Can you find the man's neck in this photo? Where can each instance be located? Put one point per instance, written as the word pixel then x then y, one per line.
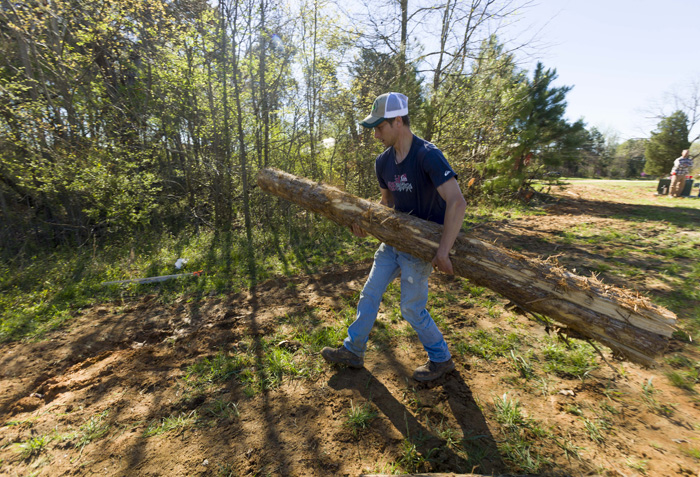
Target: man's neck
pixel 403 145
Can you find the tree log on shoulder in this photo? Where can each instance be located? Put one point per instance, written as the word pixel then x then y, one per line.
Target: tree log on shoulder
pixel 630 324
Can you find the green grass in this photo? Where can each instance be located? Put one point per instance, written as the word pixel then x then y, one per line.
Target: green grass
pixel 42 291
pixel 595 429
pixel 171 423
pixel 577 359
pixel 692 452
pixel 518 446
pixel 638 465
pixel 218 368
pixel 93 429
pixel 523 364
pixel 649 396
pixel 223 410
pixel 33 446
pixel 487 345
pixel 682 381
pixel 410 460
pixel 256 366
pixel 508 412
pixel 360 417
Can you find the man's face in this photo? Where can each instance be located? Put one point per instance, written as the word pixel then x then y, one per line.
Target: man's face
pixel 386 132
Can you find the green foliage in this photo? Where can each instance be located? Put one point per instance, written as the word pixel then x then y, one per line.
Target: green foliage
pixel 542 127
pixel 222 409
pixel 649 393
pixel 483 107
pixel 594 158
pixel 523 364
pixel 575 359
pixel 256 367
pixel 505 126
pixel 683 381
pixel 638 465
pixel 666 144
pixel 219 368
pixel 410 460
pixel 629 161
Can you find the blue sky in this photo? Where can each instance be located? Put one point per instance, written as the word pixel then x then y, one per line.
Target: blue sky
pixel 622 57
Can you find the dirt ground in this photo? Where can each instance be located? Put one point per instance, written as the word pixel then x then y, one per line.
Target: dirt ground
pixel 125 364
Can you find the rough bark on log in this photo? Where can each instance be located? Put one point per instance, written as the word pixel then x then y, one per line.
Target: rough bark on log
pixel 624 321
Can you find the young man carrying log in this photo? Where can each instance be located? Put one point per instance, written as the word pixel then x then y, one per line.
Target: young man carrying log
pixel 415 178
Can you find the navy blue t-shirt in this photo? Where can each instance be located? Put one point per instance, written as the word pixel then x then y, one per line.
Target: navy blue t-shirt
pixel 413 182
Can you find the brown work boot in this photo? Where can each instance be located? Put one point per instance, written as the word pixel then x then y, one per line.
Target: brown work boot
pixel 432 370
pixel 342 355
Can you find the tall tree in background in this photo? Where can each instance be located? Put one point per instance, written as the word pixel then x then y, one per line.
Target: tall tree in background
pixel 685 98
pixel 543 129
pixel 595 155
pixel 628 161
pixel 666 144
pixel 508 123
pixel 463 26
pixel 475 122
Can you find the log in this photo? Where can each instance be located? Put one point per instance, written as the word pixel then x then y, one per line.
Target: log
pixel 626 322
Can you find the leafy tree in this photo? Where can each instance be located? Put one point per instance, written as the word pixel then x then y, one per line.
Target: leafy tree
pixel 629 159
pixel 478 118
pixel 666 144
pixel 542 130
pixel 595 155
pixel 510 124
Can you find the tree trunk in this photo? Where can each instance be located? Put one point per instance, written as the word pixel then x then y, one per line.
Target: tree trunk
pixel 242 154
pixel 629 324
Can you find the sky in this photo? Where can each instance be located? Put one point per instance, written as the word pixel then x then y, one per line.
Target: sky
pixel 624 58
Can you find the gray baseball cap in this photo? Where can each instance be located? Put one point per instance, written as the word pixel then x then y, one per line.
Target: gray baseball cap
pixel 387 105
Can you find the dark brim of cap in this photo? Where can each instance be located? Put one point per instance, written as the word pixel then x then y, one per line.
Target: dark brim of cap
pixel 371 121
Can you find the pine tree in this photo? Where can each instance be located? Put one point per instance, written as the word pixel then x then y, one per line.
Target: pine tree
pixel 544 131
pixel 666 144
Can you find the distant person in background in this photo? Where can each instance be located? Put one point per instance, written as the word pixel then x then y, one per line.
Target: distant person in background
pixel 681 167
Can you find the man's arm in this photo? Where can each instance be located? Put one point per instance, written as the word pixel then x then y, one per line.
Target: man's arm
pixel 386 200
pixel 454 216
pixel 676 163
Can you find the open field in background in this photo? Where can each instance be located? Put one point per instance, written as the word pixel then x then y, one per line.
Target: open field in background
pixel 208 376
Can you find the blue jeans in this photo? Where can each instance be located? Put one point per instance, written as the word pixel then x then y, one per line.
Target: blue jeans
pixel 388 264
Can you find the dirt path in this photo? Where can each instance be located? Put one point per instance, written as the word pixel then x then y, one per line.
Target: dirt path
pixel 83 401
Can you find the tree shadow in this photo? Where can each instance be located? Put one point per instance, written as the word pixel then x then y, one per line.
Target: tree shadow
pixel 679 215
pixel 443 457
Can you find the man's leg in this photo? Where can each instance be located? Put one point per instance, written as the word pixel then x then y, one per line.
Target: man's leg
pixel 414 298
pixel 677 184
pixel 384 270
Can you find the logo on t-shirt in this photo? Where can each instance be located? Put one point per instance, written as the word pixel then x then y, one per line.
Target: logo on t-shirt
pixel 400 184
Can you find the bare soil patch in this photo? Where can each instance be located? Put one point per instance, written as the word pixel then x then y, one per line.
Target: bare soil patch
pixel 122 367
